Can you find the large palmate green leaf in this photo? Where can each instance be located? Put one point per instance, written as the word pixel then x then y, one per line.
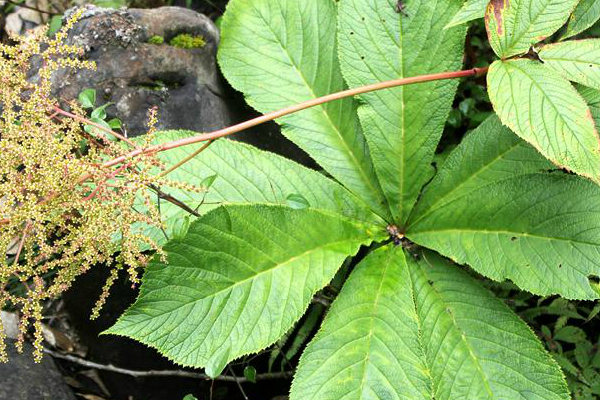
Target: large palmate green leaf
pixel 544 109
pixel 282 52
pixel 514 25
pixel 472 9
pixel 576 60
pixel 244 174
pixel 405 329
pixel 402 125
pixel 585 15
pixel 489 154
pixel 238 281
pixel 541 230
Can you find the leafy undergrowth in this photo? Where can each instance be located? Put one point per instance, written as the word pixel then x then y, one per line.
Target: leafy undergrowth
pixel 568 329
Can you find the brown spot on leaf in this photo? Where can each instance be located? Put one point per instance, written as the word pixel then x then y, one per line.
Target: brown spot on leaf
pixel 496 8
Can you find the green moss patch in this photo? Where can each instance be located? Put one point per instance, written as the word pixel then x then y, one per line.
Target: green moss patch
pixel 156 40
pixel 187 41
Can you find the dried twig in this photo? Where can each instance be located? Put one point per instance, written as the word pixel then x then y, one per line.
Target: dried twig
pixel 178 373
pixel 237 382
pixel 23 5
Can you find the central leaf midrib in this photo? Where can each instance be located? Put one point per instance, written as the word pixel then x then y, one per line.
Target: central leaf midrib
pixel 403 127
pixel 577 61
pixel 276 265
pixel 505 232
pixel 415 308
pixel 341 138
pixel 464 339
pixel 370 328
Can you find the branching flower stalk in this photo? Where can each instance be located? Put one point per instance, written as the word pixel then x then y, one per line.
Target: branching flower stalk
pixel 56 225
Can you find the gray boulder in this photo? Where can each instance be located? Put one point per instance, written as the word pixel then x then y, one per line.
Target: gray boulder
pixel 137 75
pixel 22 379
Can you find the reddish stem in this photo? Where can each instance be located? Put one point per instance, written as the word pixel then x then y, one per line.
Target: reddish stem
pixel 295 108
pixel 188 158
pixel 18 255
pixel 88 122
pixel 106 179
pixel 22 242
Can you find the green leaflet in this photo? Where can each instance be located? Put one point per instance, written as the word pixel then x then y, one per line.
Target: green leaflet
pixel 489 154
pixel 368 346
pixel 592 98
pixel 576 60
pixel 514 25
pixel 404 329
pixel 247 175
pixel 239 280
pixel 461 321
pixel 544 109
pixel 488 208
pixel 585 15
pixel 403 125
pixel 279 53
pixel 472 9
pixel 542 231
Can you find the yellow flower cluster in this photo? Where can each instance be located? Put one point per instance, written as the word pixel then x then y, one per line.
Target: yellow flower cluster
pixel 62 211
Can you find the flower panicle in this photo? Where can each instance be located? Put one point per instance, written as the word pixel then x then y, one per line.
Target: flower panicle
pixel 54 225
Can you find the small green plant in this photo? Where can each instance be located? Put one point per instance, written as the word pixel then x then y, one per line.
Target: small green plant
pixel 87 99
pixel 560 324
pixel 110 3
pixel 574 350
pixel 187 41
pixel 156 40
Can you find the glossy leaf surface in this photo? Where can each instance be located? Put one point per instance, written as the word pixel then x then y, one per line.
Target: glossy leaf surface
pixel 279 53
pixel 514 25
pixel 402 125
pixel 576 60
pixel 404 329
pixel 241 277
pixel 544 109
